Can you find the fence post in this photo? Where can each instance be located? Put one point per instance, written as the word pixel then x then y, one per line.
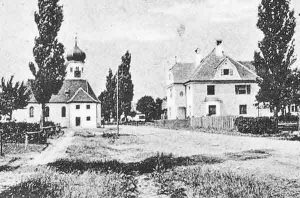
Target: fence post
pixel 26 140
pixel 1 151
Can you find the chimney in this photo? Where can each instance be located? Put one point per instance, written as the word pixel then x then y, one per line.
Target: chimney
pixel 198 57
pixel 219 48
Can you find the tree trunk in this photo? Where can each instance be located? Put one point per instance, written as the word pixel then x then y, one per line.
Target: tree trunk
pixel 275 112
pixel 42 120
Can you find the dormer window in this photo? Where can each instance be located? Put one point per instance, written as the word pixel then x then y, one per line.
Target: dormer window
pixel 226 72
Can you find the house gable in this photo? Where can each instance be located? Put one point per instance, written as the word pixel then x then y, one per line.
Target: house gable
pixel 227 71
pixel 82 96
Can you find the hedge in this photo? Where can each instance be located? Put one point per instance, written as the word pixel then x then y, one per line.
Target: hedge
pixel 258 125
pixel 14 132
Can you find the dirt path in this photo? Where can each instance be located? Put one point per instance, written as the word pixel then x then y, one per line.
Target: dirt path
pixel 22 169
pixel 56 150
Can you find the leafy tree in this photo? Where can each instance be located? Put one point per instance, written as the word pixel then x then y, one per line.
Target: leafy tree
pixel 50 70
pixel 158 109
pixel 275 56
pixel 125 85
pixel 107 97
pixel 13 96
pixel 147 106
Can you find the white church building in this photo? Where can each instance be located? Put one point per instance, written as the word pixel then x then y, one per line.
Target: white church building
pixel 75 105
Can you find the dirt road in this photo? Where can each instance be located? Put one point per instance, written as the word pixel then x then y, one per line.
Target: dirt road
pixel 284 159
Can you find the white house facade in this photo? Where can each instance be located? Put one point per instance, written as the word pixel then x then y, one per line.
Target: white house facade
pixel 75 105
pixel 215 85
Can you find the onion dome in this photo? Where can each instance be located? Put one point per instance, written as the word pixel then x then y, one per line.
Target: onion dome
pixel 76 54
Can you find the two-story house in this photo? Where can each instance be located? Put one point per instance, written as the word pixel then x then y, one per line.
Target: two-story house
pixel 214 85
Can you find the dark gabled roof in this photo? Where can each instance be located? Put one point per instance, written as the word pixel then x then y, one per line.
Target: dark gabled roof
pixel 68 90
pixel 181 72
pixel 81 96
pixel 206 70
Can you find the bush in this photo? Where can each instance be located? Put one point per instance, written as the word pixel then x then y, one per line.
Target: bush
pixel 259 125
pixel 14 132
pixel 288 118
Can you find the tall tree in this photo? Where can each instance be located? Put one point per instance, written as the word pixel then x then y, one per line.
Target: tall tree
pixel 50 70
pixel 13 96
pixel 125 85
pixel 147 106
pixel 158 108
pixel 276 52
pixel 107 97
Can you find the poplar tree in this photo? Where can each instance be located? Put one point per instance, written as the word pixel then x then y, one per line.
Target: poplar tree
pixel 49 69
pixel 107 97
pixel 125 85
pixel 276 53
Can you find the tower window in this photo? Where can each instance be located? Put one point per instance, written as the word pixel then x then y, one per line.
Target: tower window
pixel 71 69
pixel 77 106
pixel 77 73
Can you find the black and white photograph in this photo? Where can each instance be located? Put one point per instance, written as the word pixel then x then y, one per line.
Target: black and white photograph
pixel 149 98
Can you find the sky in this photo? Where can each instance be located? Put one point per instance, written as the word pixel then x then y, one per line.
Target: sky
pixel 154 32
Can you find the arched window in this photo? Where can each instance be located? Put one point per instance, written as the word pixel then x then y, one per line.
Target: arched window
pixel 31 112
pixel 47 111
pixel 63 112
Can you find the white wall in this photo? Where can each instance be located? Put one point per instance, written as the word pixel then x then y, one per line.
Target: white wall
pixel 83 113
pixel 230 101
pixel 55 114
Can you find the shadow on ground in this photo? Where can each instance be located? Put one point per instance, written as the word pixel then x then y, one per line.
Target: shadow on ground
pixel 149 165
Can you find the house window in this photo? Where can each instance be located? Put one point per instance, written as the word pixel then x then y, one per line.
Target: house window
pixel 47 111
pixel 88 106
pixel 181 93
pixel 31 112
pixel 243 109
pixel 242 89
pixel 88 118
pixel 210 90
pixel 212 110
pixel 63 112
pixel 77 106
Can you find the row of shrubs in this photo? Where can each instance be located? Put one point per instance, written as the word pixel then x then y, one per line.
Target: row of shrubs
pixel 14 132
pixel 258 125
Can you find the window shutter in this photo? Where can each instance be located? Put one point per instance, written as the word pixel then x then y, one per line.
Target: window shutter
pixel 231 72
pixel 248 89
pixel 236 89
pixel 222 72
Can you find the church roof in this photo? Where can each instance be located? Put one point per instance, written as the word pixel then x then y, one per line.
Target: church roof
pixel 206 70
pixel 70 92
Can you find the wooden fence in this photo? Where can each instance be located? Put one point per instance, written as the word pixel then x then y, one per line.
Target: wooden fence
pixel 214 122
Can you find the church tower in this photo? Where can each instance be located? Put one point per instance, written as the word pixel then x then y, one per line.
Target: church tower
pixel 75 64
